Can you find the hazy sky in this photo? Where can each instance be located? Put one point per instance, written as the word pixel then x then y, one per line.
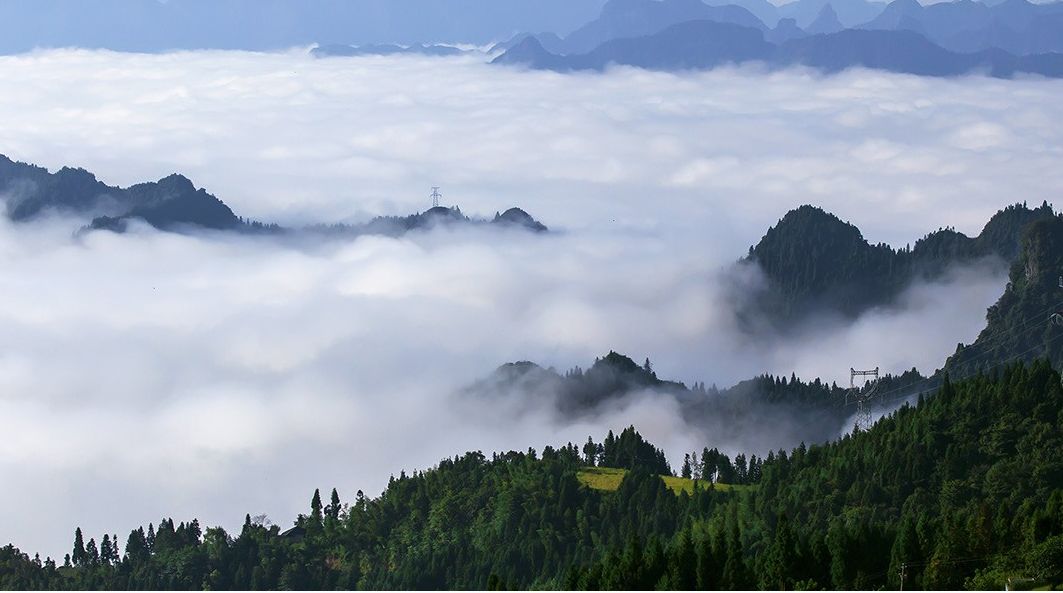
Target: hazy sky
pixel 206 376
pixel 157 25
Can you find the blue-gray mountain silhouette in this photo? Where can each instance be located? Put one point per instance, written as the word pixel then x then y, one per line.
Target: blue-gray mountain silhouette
pixel 767 12
pixel 826 22
pixel 691 45
pixel 622 19
pixel 850 12
pixel 785 30
pixel 707 44
pixel 1016 26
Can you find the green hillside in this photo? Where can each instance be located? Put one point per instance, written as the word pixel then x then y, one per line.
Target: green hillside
pixel 962 490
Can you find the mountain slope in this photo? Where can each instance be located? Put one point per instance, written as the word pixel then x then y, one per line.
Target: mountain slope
pixel 963 490
pixel 1020 326
pixel 28 192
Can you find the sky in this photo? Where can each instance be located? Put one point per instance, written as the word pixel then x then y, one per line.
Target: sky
pixel 210 376
pixel 154 25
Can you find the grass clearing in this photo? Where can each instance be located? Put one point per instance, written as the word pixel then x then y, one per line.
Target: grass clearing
pixel 609 478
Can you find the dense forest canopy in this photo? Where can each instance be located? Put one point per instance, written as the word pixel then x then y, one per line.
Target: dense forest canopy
pixel 963 489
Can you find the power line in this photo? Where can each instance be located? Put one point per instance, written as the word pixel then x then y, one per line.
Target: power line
pixel 973 372
pixel 912 388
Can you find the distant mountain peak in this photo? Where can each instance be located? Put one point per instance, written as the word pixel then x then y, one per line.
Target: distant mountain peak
pixel 518 217
pixel 904 6
pixel 177 183
pixel 826 22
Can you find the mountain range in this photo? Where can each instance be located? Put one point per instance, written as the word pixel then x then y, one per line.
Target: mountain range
pixel 774 412
pixel 703 44
pixel 816 264
pixel 1000 38
pixel 1015 26
pixel 622 19
pixel 173 203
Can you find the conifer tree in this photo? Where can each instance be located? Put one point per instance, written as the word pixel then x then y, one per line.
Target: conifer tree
pixel 78 556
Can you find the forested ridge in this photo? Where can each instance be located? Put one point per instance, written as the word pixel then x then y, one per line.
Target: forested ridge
pixel 813 262
pixel 963 489
pixel 768 411
pixel 29 192
pixel 1022 325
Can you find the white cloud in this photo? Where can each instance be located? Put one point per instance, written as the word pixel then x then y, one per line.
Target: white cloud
pixel 199 376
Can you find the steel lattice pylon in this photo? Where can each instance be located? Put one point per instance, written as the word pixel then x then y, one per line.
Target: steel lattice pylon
pixel 862 396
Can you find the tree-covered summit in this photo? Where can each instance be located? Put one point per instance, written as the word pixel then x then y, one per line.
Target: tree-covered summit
pixel 813 262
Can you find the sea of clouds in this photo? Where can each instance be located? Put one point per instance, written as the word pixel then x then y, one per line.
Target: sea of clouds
pixel 210 376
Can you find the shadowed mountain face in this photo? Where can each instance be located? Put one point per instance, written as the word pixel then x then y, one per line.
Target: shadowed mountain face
pixel 1027 322
pixel 28 192
pixel 708 44
pixel 815 263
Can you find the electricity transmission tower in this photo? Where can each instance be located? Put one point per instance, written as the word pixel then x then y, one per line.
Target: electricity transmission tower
pixel 863 395
pixel 436 196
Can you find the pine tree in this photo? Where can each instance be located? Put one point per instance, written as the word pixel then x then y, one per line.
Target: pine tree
pixel 334 505
pixel 315 508
pixel 92 553
pixel 78 557
pixel 105 550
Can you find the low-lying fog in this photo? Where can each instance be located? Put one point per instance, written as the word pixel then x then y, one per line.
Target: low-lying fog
pixel 209 376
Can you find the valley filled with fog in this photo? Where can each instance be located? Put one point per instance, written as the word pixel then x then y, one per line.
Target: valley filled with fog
pixel 207 374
